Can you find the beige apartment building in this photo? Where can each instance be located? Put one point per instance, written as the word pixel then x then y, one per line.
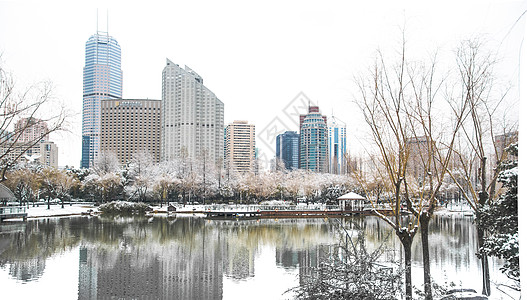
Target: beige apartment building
pixel 30 141
pixel 240 147
pixel 130 126
pixel 44 152
pixel 191 116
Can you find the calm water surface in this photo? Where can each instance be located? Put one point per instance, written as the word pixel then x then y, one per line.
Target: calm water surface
pixel 194 258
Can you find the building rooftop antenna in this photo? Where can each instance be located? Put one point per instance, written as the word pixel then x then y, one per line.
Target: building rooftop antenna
pixel 107 23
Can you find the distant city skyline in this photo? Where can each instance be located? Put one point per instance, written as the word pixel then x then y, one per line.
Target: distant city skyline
pixel 255 68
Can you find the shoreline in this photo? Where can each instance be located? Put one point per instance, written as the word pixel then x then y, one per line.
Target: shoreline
pixel 56 211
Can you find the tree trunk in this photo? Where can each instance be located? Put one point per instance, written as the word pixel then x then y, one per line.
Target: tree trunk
pixel 483 197
pixel 425 220
pixel 484 264
pixel 406 241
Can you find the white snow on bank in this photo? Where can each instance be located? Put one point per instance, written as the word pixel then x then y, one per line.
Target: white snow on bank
pixel 56 210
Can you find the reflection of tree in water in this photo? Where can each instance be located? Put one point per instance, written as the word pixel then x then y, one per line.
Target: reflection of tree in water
pixel 452 242
pixel 26 249
pixel 347 270
pixel 188 257
pixel 27 270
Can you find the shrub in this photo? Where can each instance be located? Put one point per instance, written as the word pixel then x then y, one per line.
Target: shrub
pixel 124 208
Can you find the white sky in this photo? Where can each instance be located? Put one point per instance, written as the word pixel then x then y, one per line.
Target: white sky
pixel 255 56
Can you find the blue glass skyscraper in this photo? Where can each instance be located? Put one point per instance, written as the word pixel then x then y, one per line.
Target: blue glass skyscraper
pixel 337 146
pixel 287 149
pixel 314 141
pixel 102 79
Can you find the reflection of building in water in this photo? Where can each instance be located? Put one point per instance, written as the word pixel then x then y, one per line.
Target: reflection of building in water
pixel 158 273
pixel 239 262
pixel 189 258
pixel 27 270
pixel 305 259
pixel 117 275
pixel 87 276
pixel 309 259
pixel 198 276
pixel 238 249
pixel 286 258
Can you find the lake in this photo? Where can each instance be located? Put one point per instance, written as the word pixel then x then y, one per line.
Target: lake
pixel 195 258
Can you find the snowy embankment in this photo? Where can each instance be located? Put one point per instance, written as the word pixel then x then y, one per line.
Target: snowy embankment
pixel 57 211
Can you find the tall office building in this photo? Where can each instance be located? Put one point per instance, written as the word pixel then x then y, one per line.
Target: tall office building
pixel 102 79
pixel 287 148
pixel 240 154
pixel 191 116
pixel 337 146
pixel 311 109
pixel 131 126
pixel 314 141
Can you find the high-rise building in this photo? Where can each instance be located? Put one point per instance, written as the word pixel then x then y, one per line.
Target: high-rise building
pixel 31 130
pixel 131 126
pixel 314 141
pixel 102 79
pixel 418 151
pixel 49 154
pixel 287 149
pixel 240 154
pixel 30 141
pixel 311 109
pixel 191 116
pixel 337 146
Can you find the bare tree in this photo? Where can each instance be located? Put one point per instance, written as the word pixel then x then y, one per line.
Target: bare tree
pixel 29 105
pixel 477 136
pixel 413 148
pixel 431 147
pixel 383 100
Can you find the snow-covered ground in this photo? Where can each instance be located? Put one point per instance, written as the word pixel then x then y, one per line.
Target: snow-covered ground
pixel 56 210
pixel 455 208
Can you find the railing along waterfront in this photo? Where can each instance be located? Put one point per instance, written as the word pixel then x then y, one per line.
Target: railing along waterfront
pixel 12 212
pixel 256 207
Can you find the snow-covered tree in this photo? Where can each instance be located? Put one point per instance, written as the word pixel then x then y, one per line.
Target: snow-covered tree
pixel 500 220
pixel 106 162
pixel 56 184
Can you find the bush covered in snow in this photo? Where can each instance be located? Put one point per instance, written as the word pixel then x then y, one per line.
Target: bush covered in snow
pixel 500 220
pixel 124 207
